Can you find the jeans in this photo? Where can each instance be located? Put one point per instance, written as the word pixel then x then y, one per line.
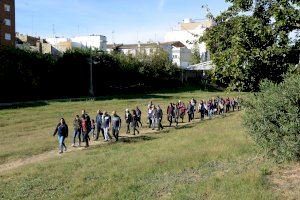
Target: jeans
pixel 86 138
pixel 202 114
pixel 106 134
pixel 190 115
pixel 153 123
pixel 99 128
pixel 150 121
pixel 77 133
pixel 170 119
pixel 159 125
pixel 115 132
pixel 210 113
pixel 128 127
pixel 139 121
pixel 61 142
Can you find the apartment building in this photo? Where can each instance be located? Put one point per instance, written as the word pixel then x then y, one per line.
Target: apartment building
pixel 91 41
pixel 177 52
pixel 188 32
pixel 7 23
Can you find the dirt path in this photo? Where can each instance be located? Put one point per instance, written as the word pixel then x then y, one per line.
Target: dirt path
pixel 54 153
pixel 286 181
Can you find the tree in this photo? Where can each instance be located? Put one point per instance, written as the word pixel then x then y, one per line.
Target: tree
pixel 251 41
pixel 195 57
pixel 273 121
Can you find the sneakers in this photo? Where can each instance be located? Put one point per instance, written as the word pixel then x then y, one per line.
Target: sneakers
pixel 73 145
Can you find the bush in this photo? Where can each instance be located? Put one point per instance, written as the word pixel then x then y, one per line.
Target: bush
pixel 272 118
pixel 26 75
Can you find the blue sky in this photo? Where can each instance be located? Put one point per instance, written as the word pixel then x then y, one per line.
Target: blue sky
pixel 122 21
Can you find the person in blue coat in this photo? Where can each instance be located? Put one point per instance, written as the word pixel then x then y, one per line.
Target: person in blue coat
pixel 62 131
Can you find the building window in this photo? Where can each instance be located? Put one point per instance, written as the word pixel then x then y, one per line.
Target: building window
pixel 7 8
pixel 7 22
pixel 7 36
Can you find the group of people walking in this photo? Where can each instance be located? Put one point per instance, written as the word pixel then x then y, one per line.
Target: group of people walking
pixel 85 127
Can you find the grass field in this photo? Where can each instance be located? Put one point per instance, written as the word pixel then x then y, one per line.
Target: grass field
pixel 213 159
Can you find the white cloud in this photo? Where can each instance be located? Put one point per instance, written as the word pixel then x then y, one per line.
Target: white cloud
pixel 161 4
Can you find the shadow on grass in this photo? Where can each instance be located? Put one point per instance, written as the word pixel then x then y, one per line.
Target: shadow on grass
pixel 147 93
pixel 135 139
pixel 17 105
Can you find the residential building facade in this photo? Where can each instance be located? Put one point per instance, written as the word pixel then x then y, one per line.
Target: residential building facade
pixel 7 23
pixel 177 52
pixel 188 32
pixel 92 41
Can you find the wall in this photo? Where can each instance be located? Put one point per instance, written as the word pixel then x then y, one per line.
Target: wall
pixel 4 28
pixel 94 41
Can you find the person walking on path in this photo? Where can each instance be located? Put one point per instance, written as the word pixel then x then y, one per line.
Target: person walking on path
pixel 202 110
pixel 194 104
pixel 99 125
pixel 150 115
pixel 154 118
pixel 62 131
pixel 106 121
pixel 176 114
pixel 238 103
pixel 84 130
pixel 93 125
pixel 139 116
pixel 159 117
pixel 190 111
pixel 128 120
pixel 88 123
pixel 115 125
pixel 134 122
pixel 77 130
pixel 170 113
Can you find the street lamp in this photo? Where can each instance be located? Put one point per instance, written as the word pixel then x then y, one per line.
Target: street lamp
pixel 91 91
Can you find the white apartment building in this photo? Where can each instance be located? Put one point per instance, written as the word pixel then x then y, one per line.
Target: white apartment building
pixel 178 53
pixel 92 41
pixel 188 33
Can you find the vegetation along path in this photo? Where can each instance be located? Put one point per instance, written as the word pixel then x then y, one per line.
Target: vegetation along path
pixel 53 154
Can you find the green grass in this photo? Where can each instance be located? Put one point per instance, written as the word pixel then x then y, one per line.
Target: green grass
pixel 28 131
pixel 209 160
pixel 213 159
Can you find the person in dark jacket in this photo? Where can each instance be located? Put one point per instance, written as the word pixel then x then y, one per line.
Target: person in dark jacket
pixel 84 130
pixel 62 131
pixel 77 130
pixel 170 113
pixel 190 111
pixel 134 122
pixel 99 124
pixel 115 125
pixel 88 123
pixel 159 117
pixel 139 116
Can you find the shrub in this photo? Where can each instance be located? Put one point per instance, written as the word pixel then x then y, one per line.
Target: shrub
pixel 272 118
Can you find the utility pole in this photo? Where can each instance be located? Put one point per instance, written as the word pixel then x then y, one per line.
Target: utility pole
pixel 91 74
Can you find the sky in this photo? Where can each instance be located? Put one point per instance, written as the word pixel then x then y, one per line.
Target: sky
pixel 121 21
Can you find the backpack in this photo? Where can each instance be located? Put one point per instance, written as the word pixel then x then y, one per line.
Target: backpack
pixel 84 125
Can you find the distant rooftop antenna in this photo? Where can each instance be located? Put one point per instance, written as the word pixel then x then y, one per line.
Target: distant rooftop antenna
pixel 32 25
pixel 207 10
pixel 113 36
pixel 53 30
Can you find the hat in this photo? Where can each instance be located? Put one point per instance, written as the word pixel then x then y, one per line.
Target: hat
pixel 127 110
